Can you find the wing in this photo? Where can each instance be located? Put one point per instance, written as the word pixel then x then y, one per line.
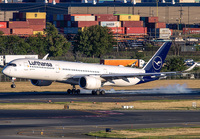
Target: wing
pixel 138 75
pixel 107 77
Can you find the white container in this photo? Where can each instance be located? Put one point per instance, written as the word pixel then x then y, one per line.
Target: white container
pixel 82 18
pixel 111 24
pixel 186 1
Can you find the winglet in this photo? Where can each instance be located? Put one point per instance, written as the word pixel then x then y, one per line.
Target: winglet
pixel 45 57
pixel 156 62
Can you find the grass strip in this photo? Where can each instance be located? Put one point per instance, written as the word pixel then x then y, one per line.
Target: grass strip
pixel 151 133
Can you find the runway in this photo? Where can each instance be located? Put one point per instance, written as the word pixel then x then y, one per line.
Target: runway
pixel 115 96
pixel 74 124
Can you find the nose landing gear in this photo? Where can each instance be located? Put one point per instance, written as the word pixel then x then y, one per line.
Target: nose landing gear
pixel 13 82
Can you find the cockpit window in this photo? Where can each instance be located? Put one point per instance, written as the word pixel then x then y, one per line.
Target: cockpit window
pixel 12 64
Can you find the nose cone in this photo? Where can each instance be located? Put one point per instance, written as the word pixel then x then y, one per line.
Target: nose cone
pixel 6 71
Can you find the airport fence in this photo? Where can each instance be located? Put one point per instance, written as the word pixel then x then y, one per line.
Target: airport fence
pixel 4 78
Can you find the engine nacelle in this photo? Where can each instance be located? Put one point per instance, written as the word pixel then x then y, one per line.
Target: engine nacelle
pixel 41 82
pixel 89 82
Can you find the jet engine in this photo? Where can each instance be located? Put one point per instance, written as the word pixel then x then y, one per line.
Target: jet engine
pixel 89 82
pixel 41 82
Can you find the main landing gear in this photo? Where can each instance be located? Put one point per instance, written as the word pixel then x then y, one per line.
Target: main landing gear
pixel 98 92
pixel 13 83
pixel 73 91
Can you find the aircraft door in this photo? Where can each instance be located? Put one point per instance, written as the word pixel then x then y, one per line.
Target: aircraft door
pixel 57 69
pixel 26 66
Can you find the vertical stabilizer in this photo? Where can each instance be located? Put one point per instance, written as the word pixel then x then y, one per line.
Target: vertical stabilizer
pixel 156 62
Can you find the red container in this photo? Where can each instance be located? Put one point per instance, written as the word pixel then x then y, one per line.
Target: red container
pixel 132 23
pixel 6 31
pixel 22 31
pixel 67 17
pixel 83 23
pixel 191 30
pixel 152 19
pixel 57 24
pixel 117 30
pixel 3 24
pixel 161 25
pixel 136 30
pixel 36 21
pixel 57 1
pixel 105 17
pixel 18 24
pixel 37 27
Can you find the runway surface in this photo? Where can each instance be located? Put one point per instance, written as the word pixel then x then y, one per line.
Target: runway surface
pixel 179 92
pixel 74 124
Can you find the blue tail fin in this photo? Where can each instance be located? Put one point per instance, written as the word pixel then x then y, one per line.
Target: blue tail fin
pixel 156 62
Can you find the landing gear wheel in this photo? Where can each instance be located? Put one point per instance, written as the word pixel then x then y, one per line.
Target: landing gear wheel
pixel 97 92
pixel 69 91
pixel 102 92
pixel 13 85
pixel 73 91
pixel 78 91
pixel 93 92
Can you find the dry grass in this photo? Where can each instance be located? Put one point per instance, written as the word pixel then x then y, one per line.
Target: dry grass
pixel 163 132
pixel 138 105
pixel 28 87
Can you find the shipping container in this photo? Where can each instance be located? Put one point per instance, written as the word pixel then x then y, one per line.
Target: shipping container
pixel 21 31
pixel 132 23
pixel 38 32
pixel 36 21
pixel 18 24
pixel 129 17
pixel 83 23
pixel 161 25
pixel 67 17
pixel 3 24
pixel 186 1
pixel 59 17
pixel 136 30
pixel 82 18
pixel 6 31
pixel 34 15
pixel 123 62
pixel 71 30
pixel 162 33
pixel 110 24
pixel 117 30
pixel 105 17
pixel 152 19
pixel 37 27
pixel 191 30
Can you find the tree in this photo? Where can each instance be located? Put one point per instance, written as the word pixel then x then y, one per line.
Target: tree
pixel 57 44
pixel 15 45
pixel 38 45
pixel 94 41
pixel 174 64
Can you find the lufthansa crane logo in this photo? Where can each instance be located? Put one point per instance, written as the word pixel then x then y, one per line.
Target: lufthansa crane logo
pixel 157 63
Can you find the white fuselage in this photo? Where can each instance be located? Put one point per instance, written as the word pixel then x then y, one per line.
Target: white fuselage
pixel 66 72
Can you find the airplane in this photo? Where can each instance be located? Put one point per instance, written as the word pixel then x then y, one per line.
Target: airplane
pixel 42 72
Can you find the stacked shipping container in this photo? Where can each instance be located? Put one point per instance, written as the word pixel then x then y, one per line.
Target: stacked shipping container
pixel 25 24
pixel 117 23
